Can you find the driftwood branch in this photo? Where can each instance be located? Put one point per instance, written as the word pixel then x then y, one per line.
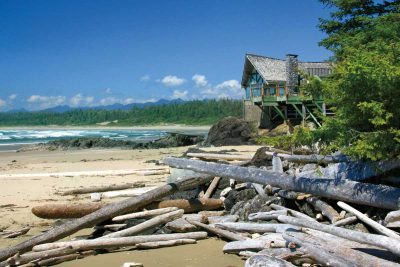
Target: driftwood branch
pixel 326 209
pixel 94 189
pixel 219 156
pixel 190 205
pixel 163 244
pixel 143 214
pixel 257 227
pixel 65 211
pixel 219 232
pixel 346 221
pixel 212 187
pixel 294 213
pixel 361 193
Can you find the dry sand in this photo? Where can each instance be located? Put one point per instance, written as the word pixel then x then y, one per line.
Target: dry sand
pixel 25 192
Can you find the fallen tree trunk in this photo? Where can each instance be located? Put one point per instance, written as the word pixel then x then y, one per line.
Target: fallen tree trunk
pixel 153 222
pixel 105 213
pixel 219 232
pixel 60 259
pixel 143 214
pixel 118 241
pixel 190 205
pixel 257 227
pixel 219 156
pixel 212 187
pixel 326 209
pixel 362 217
pixel 308 158
pixel 104 188
pixel 388 243
pixel 65 211
pixel 163 244
pixel 379 196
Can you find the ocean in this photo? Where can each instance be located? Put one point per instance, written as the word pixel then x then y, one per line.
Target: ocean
pixel 14 139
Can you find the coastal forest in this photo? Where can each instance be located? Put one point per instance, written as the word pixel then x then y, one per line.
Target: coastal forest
pixel 196 112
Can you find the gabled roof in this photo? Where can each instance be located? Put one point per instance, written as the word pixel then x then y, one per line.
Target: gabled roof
pixel 273 69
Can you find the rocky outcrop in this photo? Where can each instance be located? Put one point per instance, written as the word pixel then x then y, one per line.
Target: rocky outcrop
pixel 229 131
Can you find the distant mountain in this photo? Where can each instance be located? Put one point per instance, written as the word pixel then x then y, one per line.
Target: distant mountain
pixel 17 110
pixel 116 106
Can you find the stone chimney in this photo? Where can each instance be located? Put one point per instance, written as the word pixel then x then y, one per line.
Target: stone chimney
pixel 292 76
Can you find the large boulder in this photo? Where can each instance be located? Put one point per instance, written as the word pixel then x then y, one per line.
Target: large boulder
pixel 229 131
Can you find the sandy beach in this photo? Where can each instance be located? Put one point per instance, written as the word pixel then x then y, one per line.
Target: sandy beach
pixel 21 191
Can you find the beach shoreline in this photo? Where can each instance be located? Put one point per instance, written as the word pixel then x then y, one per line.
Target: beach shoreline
pixel 174 127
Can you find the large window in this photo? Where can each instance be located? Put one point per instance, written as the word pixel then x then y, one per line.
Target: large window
pixel 272 90
pixel 281 91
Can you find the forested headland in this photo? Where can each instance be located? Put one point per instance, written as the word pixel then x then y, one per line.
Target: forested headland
pixel 196 112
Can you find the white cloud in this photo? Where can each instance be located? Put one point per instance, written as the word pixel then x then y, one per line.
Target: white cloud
pixel 109 101
pixel 171 80
pixel 226 89
pixel 46 101
pixel 128 101
pixel 179 94
pixel 200 80
pixel 145 78
pixel 12 97
pixel 81 100
pixel 2 103
pixel 108 91
pixel 230 84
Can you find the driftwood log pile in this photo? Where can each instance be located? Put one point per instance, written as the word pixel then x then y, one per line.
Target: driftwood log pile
pixel 270 218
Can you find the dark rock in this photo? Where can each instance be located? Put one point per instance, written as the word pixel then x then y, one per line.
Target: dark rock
pixel 235 196
pixel 260 159
pixel 256 204
pixel 229 131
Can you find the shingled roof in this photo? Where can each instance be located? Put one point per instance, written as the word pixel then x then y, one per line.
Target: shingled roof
pixel 273 69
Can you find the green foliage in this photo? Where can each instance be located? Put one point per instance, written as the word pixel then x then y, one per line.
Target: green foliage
pixel 192 112
pixel 364 89
pixel 311 85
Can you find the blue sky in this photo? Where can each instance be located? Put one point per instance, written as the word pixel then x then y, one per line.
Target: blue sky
pixel 86 53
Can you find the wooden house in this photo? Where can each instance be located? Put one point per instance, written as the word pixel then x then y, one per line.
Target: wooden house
pixel 272 90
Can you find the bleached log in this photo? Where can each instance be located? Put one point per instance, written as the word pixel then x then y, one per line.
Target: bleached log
pixel 182 225
pixel 266 216
pixel 297 256
pixel 94 189
pixel 388 243
pixel 219 232
pixel 122 193
pixel 294 213
pixel 309 158
pixel 293 195
pixel 212 187
pixel 379 196
pixel 345 221
pixel 103 214
pixel 153 222
pixel 112 227
pixel 257 227
pixel 321 254
pixel 60 259
pixel 395 224
pixel 17 233
pixel 326 209
pixel 190 205
pixel 143 214
pixel 163 244
pixel 392 216
pixel 268 241
pixel 65 211
pixel 264 260
pixel 362 217
pixel 220 219
pixel 100 243
pixel 259 188
pixel 219 156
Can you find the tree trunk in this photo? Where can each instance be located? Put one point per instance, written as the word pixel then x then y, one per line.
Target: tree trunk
pixel 104 188
pixel 100 243
pixel 362 217
pixel 143 214
pixel 388 243
pixel 65 211
pixel 326 209
pixel 379 196
pixel 105 213
pixel 219 232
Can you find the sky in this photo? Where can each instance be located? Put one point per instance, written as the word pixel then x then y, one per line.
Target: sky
pixel 98 52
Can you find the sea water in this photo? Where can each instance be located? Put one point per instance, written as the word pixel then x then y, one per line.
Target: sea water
pixel 13 139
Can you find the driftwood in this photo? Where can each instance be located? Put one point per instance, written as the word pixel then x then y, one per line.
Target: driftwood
pixel 168 243
pixel 219 232
pixel 266 216
pixel 326 209
pixel 320 253
pixel 362 217
pixel 94 189
pixel 259 188
pixel 257 227
pixel 212 187
pixel 111 227
pixel 219 156
pixel 99 243
pixel 121 193
pixel 182 225
pixel 264 260
pixel 293 195
pixel 392 216
pixel 153 222
pixel 292 212
pixel 267 241
pixel 380 196
pixel 65 211
pixel 60 259
pixel 345 221
pixel 13 234
pixel 309 158
pixel 101 215
pixel 143 214
pixel 191 205
pixel 220 219
pixel 297 256
pixel 388 243
pixel 132 264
